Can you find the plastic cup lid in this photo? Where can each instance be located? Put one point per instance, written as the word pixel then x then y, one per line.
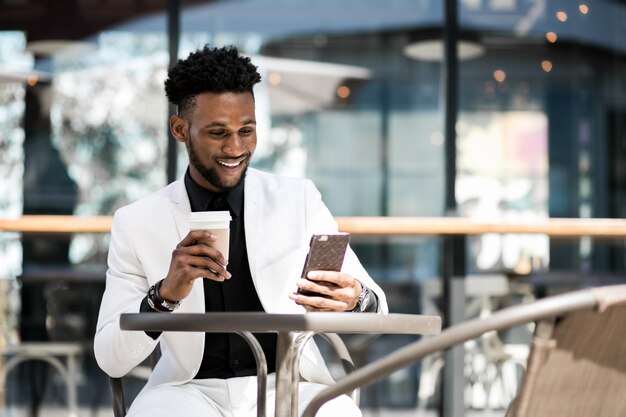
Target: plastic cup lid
pixel 210 216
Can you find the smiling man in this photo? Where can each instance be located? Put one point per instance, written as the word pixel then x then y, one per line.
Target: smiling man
pixel 156 265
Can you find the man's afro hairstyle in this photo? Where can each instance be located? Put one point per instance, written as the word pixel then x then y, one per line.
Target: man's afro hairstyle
pixel 209 70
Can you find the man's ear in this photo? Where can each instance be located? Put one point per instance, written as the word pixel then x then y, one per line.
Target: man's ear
pixel 178 127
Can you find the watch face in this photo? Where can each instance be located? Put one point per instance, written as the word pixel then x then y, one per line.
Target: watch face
pixel 364 300
pixel 362 305
pixel 170 306
pixel 358 308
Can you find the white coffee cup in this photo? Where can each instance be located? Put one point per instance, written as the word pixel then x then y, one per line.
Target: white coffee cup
pixel 216 222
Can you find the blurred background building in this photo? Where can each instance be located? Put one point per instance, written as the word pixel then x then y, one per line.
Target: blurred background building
pixel 353 98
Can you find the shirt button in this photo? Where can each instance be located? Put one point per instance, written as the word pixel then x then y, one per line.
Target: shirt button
pixel 235 362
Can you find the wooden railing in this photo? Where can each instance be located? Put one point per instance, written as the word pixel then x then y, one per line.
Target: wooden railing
pixel 447 227
pixel 365 226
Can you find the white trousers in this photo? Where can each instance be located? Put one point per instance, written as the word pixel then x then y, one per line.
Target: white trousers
pixel 233 397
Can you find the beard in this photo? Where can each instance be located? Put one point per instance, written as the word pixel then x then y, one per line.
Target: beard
pixel 210 174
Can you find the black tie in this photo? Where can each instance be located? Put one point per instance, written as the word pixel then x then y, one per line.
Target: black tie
pixel 217 203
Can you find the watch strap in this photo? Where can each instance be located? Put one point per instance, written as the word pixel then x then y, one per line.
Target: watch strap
pixel 367 302
pixel 159 304
pixel 145 308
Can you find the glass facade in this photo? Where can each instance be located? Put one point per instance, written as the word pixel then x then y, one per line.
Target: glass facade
pixel 11 147
pixel 352 98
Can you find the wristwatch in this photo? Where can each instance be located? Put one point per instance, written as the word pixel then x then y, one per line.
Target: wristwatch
pixel 363 301
pixel 157 303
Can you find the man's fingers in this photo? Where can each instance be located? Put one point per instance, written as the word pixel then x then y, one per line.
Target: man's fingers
pixel 312 309
pixel 339 279
pixel 208 264
pixel 208 274
pixel 185 260
pixel 196 236
pixel 312 303
pixel 199 251
pixel 339 288
pixel 320 287
pixel 207 252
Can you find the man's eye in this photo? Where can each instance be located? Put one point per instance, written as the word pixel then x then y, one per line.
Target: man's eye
pixel 217 132
pixel 246 132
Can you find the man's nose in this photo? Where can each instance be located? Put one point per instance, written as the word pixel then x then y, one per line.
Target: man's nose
pixel 234 145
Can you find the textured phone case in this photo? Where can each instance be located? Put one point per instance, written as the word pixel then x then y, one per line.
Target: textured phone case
pixel 326 253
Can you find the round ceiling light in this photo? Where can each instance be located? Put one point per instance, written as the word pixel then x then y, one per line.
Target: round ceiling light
pixel 51 47
pixel 30 77
pixel 432 50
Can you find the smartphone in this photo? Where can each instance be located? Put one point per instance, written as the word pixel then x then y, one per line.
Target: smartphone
pixel 326 253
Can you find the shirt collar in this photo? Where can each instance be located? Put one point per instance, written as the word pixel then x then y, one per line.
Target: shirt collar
pixel 200 197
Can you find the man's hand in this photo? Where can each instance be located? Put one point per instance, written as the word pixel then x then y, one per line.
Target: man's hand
pixel 193 258
pixel 336 291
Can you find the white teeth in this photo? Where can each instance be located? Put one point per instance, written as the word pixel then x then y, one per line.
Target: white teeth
pixel 233 165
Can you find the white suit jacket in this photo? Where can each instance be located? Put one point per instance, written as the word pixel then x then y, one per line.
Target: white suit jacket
pixel 280 215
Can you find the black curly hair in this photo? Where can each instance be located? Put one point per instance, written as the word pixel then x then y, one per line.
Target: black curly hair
pixel 209 70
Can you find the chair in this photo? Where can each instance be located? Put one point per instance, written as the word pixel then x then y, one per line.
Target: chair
pixel 577 367
pixel 142 371
pixel 63 351
pixel 335 342
pixel 64 357
pixel 577 364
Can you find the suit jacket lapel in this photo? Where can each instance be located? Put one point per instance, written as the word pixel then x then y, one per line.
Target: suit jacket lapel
pixel 251 210
pixel 271 266
pixel 180 208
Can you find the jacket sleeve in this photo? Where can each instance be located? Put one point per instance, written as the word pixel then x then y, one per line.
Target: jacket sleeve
pixel 320 220
pixel 117 351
